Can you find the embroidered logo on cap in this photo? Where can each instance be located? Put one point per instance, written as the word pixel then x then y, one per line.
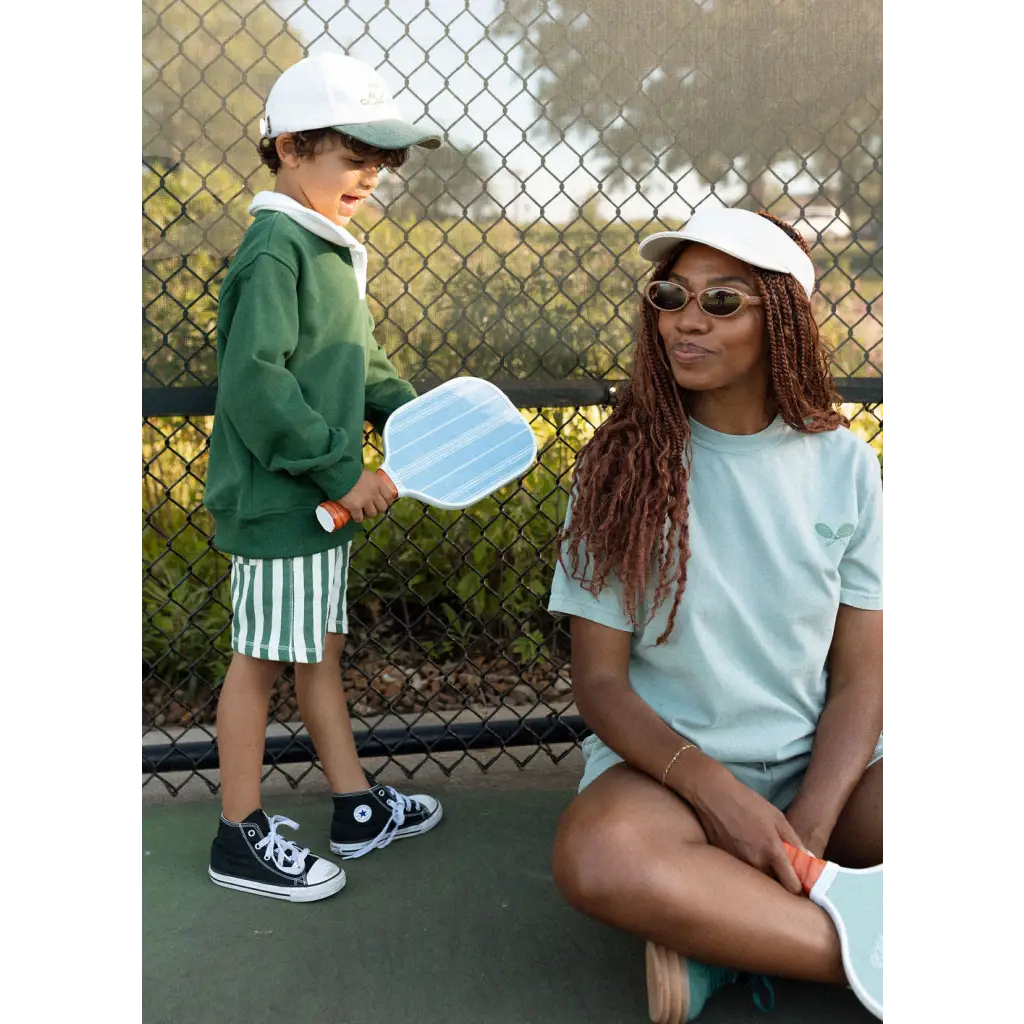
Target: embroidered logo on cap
pixel 375 97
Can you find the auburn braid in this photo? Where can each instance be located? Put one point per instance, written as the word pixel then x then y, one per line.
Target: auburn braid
pixel 630 507
pixel 802 383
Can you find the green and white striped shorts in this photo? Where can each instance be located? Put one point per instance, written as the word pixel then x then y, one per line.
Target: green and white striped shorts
pixel 282 608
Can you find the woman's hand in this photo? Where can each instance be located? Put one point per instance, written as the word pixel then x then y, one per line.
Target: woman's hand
pixel 744 824
pixel 809 826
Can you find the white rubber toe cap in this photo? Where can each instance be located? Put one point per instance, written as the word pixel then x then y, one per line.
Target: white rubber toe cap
pixel 324 871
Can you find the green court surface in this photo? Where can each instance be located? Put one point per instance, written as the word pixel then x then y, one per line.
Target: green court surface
pixel 463 924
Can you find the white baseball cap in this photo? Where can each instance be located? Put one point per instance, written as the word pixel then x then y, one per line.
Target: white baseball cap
pixel 330 90
pixel 740 233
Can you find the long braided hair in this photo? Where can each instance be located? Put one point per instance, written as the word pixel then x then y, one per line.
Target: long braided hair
pixel 630 508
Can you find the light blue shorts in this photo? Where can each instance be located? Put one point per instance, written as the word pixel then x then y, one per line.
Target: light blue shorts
pixel 777 783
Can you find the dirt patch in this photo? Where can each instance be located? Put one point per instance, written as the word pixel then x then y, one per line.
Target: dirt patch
pixel 377 685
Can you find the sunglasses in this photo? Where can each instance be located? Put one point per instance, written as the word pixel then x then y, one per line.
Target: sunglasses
pixel 669 297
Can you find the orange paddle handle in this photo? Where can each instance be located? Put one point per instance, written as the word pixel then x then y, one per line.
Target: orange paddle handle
pixel 340 516
pixel 808 869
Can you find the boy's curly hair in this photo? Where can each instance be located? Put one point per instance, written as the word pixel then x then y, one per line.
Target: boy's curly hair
pixel 631 507
pixel 309 143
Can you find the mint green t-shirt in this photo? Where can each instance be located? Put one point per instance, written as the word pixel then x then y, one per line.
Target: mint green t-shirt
pixel 784 527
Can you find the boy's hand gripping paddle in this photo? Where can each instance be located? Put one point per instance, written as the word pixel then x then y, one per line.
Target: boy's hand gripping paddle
pixel 853 899
pixel 450 448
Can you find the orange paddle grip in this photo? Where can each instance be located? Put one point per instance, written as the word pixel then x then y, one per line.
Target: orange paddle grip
pixel 808 869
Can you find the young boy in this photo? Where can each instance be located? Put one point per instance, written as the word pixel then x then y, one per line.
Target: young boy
pixel 298 373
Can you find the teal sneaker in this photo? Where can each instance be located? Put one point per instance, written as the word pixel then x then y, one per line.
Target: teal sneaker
pixel 761 992
pixel 678 988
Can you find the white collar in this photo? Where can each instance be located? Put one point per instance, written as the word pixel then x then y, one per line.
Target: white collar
pixel 317 224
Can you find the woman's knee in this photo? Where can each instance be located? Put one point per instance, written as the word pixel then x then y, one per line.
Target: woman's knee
pixel 597 855
pixel 616 838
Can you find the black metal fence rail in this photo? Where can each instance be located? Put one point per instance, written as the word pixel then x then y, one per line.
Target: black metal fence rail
pixel 555 730
pixel 200 401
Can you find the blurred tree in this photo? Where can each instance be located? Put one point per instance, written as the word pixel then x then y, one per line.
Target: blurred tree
pixel 206 70
pixel 713 86
pixel 444 182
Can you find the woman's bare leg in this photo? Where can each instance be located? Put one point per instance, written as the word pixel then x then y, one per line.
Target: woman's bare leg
pixel 856 841
pixel 633 854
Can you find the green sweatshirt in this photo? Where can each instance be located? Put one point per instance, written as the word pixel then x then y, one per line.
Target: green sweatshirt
pixel 298 373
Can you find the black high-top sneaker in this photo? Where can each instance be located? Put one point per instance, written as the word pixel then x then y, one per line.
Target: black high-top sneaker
pixel 251 856
pixel 371 819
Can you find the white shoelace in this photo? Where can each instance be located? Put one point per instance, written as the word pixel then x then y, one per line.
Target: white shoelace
pixel 399 804
pixel 285 854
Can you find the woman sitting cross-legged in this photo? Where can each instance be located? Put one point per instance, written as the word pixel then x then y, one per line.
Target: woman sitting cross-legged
pixel 721 561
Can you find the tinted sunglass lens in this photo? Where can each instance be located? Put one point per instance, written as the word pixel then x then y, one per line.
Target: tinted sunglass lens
pixel 720 301
pixel 666 295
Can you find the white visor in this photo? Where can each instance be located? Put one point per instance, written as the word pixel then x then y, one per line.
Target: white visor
pixel 740 233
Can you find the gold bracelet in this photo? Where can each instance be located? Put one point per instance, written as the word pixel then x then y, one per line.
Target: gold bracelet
pixel 668 767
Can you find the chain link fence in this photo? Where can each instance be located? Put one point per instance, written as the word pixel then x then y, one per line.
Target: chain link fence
pixel 572 130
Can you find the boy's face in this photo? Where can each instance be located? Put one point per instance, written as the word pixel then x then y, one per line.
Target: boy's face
pixel 334 182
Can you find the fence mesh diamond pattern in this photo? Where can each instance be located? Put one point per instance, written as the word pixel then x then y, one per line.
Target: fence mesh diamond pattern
pixel 571 131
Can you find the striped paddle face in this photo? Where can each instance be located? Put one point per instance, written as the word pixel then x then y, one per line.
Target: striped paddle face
pixel 457 444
